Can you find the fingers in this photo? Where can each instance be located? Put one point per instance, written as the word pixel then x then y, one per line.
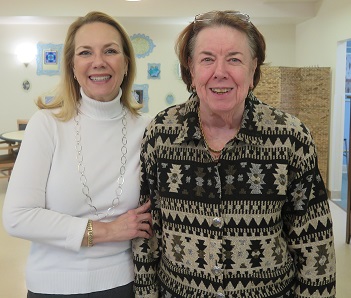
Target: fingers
pixel 137 223
pixel 145 230
pixel 144 234
pixel 144 217
pixel 144 222
pixel 135 230
pixel 134 223
pixel 144 208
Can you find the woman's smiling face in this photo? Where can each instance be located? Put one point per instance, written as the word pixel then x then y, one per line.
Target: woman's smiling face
pixel 222 67
pixel 99 61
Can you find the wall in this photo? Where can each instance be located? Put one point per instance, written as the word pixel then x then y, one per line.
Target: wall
pixel 317 43
pixel 17 103
pixel 163 53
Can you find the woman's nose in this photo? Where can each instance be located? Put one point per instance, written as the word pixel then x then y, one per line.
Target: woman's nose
pixel 99 61
pixel 220 70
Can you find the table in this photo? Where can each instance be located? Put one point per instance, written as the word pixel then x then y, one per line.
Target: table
pixel 13 136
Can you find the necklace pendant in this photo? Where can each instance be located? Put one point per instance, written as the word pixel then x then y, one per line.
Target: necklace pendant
pixel 111 211
pixel 100 215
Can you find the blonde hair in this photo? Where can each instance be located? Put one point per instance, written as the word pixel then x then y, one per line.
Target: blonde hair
pixel 67 93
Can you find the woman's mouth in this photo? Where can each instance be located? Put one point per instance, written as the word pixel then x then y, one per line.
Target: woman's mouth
pixel 99 78
pixel 221 90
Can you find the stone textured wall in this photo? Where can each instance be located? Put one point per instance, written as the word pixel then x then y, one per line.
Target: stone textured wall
pixel 305 93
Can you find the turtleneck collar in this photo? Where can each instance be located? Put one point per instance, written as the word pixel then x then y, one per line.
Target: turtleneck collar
pixel 100 109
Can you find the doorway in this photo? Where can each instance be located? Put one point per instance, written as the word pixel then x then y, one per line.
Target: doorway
pixel 346 144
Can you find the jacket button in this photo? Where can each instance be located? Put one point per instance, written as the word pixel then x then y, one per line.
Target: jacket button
pixel 216 270
pixel 217 222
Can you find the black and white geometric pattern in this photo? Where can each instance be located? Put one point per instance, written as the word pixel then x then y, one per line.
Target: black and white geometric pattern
pixel 255 223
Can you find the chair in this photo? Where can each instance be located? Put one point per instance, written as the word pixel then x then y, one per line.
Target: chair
pixel 22 123
pixel 7 158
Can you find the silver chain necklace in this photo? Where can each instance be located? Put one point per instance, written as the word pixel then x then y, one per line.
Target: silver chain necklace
pixel 81 169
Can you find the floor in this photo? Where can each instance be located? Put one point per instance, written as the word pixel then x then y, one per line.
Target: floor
pixel 13 253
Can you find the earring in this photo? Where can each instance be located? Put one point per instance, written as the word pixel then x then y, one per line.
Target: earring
pixel 74 76
pixel 193 89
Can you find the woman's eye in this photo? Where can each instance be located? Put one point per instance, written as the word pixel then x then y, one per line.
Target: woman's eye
pixel 234 60
pixel 111 51
pixel 83 53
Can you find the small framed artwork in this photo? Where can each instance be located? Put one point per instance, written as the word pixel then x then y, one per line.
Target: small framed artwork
pixel 177 70
pixel 48 99
pixel 140 94
pixel 49 59
pixel 154 70
pixel 142 45
pixel 25 85
pixel 170 99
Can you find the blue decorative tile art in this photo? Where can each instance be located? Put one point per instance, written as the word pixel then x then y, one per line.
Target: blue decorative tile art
pixel 142 45
pixel 154 70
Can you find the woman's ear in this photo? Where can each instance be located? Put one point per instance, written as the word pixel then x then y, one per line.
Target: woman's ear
pixel 126 68
pixel 253 69
pixel 190 65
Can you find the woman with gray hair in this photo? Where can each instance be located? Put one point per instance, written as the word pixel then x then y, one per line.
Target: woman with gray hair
pixel 238 205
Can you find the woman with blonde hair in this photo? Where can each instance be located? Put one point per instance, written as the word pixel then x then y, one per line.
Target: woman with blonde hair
pixel 72 191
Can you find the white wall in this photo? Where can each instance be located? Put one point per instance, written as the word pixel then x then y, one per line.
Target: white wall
pixel 163 53
pixel 318 43
pixel 280 42
pixel 14 101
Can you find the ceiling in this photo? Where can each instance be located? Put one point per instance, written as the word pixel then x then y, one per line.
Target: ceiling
pixel 156 11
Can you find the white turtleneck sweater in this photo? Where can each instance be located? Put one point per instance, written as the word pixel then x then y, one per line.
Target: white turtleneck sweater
pixel 44 202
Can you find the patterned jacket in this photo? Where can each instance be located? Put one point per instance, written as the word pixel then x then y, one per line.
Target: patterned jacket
pixel 255 223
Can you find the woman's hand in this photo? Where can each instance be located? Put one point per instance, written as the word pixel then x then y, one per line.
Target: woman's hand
pixel 132 224
pixel 135 223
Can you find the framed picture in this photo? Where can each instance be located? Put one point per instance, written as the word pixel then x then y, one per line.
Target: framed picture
pixel 142 45
pixel 140 94
pixel 48 99
pixel 25 85
pixel 49 59
pixel 154 70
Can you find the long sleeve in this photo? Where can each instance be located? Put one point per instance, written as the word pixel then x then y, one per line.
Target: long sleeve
pixel 147 252
pixel 308 226
pixel 27 213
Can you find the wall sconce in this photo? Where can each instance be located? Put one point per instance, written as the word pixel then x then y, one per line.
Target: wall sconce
pixel 26 53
